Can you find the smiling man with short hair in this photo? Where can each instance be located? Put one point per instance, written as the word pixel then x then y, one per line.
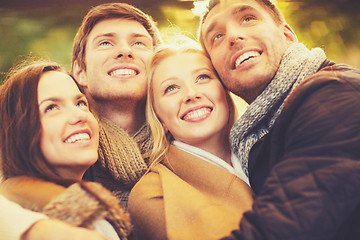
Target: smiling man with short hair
pixel 298 139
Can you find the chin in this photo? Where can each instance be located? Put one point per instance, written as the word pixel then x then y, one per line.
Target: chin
pixel 88 161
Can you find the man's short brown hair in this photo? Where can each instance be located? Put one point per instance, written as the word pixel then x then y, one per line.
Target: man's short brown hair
pixel 109 11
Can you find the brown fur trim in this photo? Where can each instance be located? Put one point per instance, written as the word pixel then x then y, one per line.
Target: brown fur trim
pixel 85 202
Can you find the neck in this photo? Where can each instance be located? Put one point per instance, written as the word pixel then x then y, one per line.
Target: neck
pixel 219 147
pixel 127 114
pixel 73 174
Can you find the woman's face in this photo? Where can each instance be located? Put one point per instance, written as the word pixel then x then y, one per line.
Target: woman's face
pixel 70 133
pixel 189 99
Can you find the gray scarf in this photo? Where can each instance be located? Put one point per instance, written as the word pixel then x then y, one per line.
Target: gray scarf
pixel 297 64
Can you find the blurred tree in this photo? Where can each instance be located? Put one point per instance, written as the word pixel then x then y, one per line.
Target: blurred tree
pixel 333 25
pixel 42 28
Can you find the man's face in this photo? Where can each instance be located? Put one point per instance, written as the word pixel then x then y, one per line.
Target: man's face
pixel 245 46
pixel 117 52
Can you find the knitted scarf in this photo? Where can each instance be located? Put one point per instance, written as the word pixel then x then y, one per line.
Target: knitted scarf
pixel 297 64
pixel 123 159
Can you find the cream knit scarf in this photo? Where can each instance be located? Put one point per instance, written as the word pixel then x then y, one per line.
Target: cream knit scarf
pixel 297 64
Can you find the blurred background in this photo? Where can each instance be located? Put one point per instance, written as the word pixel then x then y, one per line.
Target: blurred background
pixel 46 28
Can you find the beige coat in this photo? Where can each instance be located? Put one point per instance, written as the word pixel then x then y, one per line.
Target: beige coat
pixel 187 198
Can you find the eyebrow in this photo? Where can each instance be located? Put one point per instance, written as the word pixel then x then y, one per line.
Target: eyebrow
pixel 51 99
pixel 112 34
pixel 193 72
pixel 235 11
pixel 140 35
pixel 200 70
pixel 57 99
pixel 173 78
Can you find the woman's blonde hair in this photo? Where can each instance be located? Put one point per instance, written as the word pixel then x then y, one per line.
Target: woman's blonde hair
pixel 162 139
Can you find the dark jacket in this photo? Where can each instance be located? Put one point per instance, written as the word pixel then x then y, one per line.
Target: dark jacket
pixel 306 171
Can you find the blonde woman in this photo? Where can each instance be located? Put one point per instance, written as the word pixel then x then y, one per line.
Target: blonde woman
pixel 195 188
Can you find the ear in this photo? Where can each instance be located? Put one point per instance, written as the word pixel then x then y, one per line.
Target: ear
pixel 80 75
pixel 289 33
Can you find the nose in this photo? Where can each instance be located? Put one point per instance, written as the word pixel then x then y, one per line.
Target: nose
pixel 192 94
pixel 76 115
pixel 234 34
pixel 124 51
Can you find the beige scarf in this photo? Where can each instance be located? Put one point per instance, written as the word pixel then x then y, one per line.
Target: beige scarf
pixel 123 159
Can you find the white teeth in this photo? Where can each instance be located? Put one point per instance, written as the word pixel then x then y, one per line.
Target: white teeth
pixel 197 113
pixel 77 137
pixel 122 72
pixel 246 56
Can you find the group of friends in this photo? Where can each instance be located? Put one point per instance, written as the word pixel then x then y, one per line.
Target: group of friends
pixel 142 140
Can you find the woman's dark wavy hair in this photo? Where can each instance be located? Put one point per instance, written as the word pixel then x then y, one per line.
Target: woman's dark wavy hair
pixel 20 127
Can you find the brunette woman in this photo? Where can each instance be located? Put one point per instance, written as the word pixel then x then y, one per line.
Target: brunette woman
pixel 47 132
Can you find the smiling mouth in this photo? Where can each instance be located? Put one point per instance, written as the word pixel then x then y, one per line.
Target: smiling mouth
pixel 246 56
pixel 123 72
pixel 78 137
pixel 197 114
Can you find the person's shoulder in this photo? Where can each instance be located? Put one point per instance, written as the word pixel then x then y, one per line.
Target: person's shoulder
pixel 145 194
pixel 148 186
pixel 341 72
pixel 336 73
pixel 338 77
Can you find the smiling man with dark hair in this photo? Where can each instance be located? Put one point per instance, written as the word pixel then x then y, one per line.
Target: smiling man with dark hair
pixel 298 139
